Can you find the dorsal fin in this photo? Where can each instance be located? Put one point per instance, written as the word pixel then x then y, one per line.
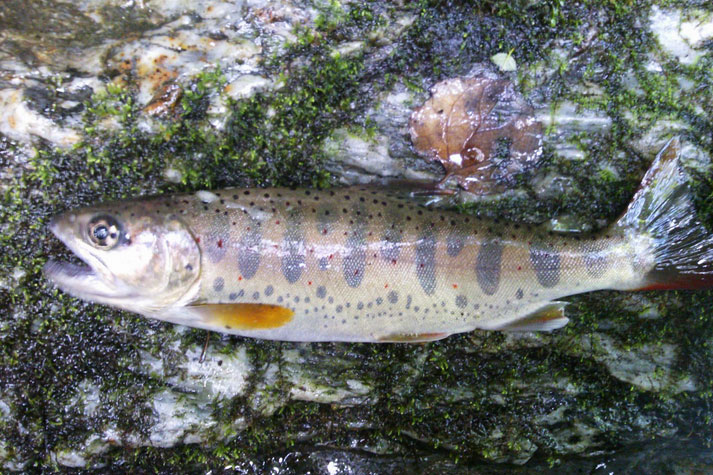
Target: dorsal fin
pixel 547 318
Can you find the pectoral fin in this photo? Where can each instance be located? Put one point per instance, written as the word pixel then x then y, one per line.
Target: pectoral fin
pixel 547 318
pixel 243 316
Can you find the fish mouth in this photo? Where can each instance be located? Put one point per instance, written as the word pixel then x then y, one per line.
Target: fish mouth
pixel 89 280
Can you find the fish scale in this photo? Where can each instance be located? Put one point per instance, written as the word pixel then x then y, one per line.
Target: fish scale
pixel 359 264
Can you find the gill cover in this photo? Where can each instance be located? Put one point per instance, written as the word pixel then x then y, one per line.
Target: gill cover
pixel 138 258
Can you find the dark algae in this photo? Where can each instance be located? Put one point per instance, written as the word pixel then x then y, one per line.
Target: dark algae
pixel 627 383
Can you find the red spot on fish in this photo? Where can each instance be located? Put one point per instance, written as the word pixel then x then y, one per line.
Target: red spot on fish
pixel 240 277
pixel 423 265
pixel 331 256
pixel 529 243
pixel 220 243
pixel 519 267
pixel 356 272
pixel 324 231
pixel 309 283
pixel 455 286
pixel 248 228
pixel 277 222
pixel 198 240
pixel 393 261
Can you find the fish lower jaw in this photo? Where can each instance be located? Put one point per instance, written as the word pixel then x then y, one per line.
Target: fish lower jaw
pixel 82 281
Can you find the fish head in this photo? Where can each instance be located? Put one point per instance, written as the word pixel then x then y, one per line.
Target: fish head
pixel 137 257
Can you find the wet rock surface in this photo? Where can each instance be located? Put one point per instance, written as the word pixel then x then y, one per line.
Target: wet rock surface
pixel 106 99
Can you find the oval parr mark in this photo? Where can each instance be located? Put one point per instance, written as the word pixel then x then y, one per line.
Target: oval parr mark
pixel 216 242
pixel 426 262
pixel 218 284
pixel 596 261
pixel 546 263
pixel 392 237
pixel 323 263
pixel 392 297
pixel 249 250
pixel 326 217
pixel 293 248
pixel 454 244
pixel 596 264
pixel 461 301
pixel 487 266
pixel 355 259
pixel 269 290
pixel 321 291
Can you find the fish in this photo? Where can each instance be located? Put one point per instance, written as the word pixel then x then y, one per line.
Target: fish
pixel 360 264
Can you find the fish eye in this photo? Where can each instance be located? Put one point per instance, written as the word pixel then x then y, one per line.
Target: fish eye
pixel 104 232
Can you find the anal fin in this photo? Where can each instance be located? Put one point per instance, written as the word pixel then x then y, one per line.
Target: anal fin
pixel 547 318
pixel 242 316
pixel 412 338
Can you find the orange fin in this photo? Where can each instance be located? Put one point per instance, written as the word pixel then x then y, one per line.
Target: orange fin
pixel 412 338
pixel 244 316
pixel 548 318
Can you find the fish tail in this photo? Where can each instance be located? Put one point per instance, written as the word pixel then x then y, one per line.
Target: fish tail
pixel 663 210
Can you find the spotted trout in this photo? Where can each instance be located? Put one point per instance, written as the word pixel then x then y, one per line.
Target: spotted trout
pixel 356 264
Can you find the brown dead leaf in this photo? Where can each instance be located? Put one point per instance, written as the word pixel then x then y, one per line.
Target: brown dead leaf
pixel 480 129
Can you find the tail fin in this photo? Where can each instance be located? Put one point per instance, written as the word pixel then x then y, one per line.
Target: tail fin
pixel 663 210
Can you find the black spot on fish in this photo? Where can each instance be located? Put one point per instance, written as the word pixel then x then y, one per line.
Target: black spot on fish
pixel 321 291
pixel 426 261
pixel 519 294
pixel 487 266
pixel 269 290
pixel 461 301
pixel 256 295
pixel 218 284
pixel 233 296
pixel 393 297
pixel 546 262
